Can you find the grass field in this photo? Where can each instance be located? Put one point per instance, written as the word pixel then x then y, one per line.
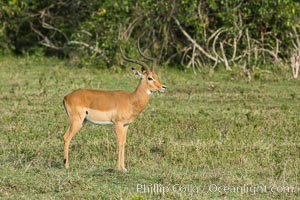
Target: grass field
pixel 205 138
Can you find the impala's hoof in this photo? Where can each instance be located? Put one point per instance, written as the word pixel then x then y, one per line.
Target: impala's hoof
pixel 122 170
pixel 66 164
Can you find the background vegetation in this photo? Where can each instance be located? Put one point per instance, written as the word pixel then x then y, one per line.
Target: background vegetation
pixel 189 33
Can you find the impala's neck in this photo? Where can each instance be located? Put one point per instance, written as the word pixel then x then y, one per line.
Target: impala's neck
pixel 140 97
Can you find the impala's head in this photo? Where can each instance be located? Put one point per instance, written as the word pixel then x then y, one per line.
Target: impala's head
pixel 149 78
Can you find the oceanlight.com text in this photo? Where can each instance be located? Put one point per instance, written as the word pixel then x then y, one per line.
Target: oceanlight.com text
pixel 158 188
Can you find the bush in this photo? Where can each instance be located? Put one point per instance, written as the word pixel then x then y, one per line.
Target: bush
pixel 255 33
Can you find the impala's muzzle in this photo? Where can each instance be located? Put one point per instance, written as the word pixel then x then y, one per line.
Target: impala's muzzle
pixel 163 89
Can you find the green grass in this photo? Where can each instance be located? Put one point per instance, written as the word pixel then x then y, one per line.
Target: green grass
pixel 202 132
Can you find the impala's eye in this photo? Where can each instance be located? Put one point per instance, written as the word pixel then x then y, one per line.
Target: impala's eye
pixel 150 78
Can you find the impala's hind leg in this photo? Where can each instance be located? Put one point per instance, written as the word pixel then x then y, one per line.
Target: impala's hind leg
pixel 76 122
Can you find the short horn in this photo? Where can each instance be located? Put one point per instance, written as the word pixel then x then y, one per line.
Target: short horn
pixel 144 65
pixel 146 57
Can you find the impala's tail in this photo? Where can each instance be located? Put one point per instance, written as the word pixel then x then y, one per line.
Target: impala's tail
pixel 64 104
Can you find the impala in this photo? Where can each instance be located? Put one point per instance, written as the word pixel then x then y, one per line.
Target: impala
pixel 118 108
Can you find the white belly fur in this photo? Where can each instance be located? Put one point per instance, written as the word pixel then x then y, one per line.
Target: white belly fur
pixel 98 122
pixel 99 117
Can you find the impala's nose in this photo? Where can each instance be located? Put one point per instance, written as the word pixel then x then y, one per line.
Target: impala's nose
pixel 163 88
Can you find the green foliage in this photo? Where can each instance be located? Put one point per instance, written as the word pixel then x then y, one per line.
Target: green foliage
pixel 28 24
pixel 94 29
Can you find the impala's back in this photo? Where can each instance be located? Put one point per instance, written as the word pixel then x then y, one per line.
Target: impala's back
pixel 98 106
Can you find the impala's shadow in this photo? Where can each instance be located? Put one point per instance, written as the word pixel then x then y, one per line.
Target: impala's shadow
pixel 54 164
pixel 60 165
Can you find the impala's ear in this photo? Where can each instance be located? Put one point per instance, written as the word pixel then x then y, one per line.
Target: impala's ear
pixel 138 73
pixel 145 69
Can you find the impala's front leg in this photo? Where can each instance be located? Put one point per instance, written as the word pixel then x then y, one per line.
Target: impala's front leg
pixel 121 131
